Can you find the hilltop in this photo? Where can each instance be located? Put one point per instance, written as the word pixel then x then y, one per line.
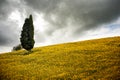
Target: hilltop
pixel 97 59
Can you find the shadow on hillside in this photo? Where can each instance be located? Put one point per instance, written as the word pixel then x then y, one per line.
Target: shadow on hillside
pixel 22 52
pixel 27 53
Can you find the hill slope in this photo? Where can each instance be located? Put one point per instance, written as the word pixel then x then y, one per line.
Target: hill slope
pixel 85 60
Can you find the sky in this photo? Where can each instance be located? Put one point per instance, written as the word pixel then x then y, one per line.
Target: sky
pixel 58 21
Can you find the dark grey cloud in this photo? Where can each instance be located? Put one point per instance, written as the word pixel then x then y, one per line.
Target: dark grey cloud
pixel 86 14
pixel 8 34
pixel 5 8
pixel 9 30
pixel 2 5
pixel 8 6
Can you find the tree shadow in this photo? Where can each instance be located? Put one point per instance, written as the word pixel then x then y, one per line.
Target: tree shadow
pixel 27 52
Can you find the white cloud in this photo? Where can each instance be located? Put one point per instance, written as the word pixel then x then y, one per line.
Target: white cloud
pixel 103 31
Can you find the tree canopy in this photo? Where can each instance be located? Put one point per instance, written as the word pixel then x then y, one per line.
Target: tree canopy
pixel 27 34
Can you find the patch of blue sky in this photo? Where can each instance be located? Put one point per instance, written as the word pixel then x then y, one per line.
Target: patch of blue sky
pixel 113 26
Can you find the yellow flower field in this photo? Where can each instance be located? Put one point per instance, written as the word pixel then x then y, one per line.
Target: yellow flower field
pixel 97 59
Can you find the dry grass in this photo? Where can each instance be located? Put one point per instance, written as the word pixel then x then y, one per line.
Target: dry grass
pixel 87 60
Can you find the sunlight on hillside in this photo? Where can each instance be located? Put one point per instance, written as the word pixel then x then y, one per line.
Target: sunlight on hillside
pixel 86 60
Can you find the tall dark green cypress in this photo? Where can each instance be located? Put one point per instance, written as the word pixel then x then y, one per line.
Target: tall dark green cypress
pixel 27 34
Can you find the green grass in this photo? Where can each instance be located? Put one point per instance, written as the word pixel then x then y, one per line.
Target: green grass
pixel 86 60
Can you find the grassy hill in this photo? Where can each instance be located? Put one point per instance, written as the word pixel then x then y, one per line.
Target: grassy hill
pixel 86 60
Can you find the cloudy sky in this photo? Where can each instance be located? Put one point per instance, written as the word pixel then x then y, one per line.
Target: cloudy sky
pixel 58 21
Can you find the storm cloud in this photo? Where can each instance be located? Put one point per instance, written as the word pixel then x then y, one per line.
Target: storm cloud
pixel 8 34
pixel 9 30
pixel 84 14
pixel 6 7
pixel 69 19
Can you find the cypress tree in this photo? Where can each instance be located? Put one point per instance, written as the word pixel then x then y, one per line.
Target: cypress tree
pixel 27 34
